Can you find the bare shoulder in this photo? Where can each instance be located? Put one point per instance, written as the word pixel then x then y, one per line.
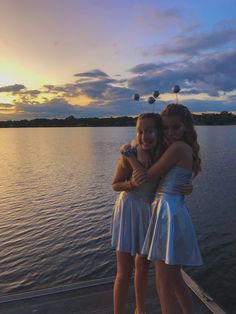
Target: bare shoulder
pixel 180 146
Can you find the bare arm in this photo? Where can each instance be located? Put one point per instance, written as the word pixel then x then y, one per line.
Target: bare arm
pixel 123 172
pixel 143 157
pixel 170 158
pixel 187 188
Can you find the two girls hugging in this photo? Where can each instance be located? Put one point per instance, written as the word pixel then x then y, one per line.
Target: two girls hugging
pixel 150 220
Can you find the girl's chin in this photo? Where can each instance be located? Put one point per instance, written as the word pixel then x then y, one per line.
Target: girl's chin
pixel 146 147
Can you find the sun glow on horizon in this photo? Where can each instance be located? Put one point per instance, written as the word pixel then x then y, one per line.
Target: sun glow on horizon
pixel 12 73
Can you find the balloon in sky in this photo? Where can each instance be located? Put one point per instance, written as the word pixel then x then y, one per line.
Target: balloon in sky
pixel 136 97
pixel 151 100
pixel 156 93
pixel 176 89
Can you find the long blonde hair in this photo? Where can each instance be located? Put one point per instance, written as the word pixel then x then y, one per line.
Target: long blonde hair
pixel 160 147
pixel 157 119
pixel 190 134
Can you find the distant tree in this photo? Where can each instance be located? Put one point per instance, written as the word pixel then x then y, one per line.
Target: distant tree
pixel 225 113
pixel 70 118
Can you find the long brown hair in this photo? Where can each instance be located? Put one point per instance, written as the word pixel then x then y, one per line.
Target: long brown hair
pixel 190 134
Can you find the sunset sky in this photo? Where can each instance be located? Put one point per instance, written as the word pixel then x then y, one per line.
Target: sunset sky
pixel 89 57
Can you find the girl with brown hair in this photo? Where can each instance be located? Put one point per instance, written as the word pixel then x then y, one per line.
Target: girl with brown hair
pixel 170 240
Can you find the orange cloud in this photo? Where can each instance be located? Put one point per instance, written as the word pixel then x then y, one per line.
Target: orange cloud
pixel 81 100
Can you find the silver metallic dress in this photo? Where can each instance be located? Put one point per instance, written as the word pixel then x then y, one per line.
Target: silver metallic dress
pixel 131 217
pixel 171 236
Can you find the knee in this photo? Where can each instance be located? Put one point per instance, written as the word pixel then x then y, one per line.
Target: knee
pixel 124 275
pixel 142 265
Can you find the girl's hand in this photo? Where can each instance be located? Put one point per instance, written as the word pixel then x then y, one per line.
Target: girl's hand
pixel 139 176
pixel 124 147
pixel 186 189
pixel 143 157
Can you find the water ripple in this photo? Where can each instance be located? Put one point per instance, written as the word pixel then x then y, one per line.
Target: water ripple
pixel 56 203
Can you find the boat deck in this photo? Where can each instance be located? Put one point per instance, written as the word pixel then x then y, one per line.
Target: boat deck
pixel 94 297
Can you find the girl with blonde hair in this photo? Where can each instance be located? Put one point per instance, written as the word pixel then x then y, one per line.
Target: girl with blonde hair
pixel 132 213
pixel 170 240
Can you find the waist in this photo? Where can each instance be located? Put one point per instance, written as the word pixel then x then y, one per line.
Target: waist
pixel 140 196
pixel 166 190
pixel 173 194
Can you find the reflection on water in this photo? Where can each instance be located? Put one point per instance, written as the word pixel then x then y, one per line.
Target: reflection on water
pixel 56 202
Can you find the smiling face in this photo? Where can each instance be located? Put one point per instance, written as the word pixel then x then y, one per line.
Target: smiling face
pixel 173 128
pixel 147 134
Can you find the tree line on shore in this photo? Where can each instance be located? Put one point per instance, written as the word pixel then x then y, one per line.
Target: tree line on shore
pixel 222 118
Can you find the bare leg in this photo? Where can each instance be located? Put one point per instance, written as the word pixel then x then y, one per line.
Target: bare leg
pixel 182 293
pixel 165 289
pixel 140 281
pixel 125 265
pixel 172 289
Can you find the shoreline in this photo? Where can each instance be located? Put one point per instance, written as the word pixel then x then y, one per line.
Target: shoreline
pixel 203 119
pixel 223 118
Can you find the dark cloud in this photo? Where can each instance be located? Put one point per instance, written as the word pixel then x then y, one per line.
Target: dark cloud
pixel 211 73
pixel 148 67
pixel 92 74
pixel 208 74
pixel 192 45
pixel 48 87
pixel 232 98
pixel 60 108
pixel 69 90
pixel 209 106
pixel 32 93
pixel 54 108
pixel 5 106
pixel 96 89
pixel 93 88
pixel 190 91
pixel 66 90
pixel 118 93
pixel 11 88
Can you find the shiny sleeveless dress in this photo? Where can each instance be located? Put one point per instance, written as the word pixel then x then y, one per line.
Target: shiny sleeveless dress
pixel 171 237
pixel 131 217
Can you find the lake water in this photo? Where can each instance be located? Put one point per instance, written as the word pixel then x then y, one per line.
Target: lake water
pixel 56 203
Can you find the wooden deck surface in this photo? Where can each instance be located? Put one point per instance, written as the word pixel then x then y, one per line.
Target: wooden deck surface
pixel 92 297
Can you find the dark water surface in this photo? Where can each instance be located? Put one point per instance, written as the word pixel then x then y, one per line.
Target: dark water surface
pixel 56 203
